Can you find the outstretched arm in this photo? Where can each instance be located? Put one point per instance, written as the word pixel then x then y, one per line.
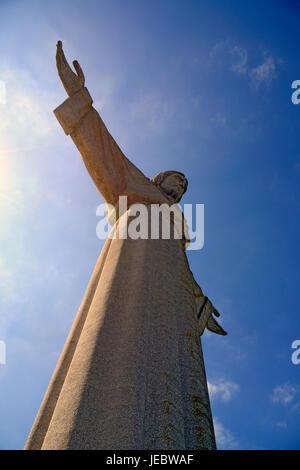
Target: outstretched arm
pixel 111 171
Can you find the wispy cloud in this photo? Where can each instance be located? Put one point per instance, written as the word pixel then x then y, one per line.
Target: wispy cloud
pixel 214 51
pixel 218 120
pixel 153 112
pixel 225 439
pixel 26 117
pixel 223 389
pixel 264 73
pixel 104 91
pixel 281 424
pixel 284 394
pixel 7 284
pixel 241 63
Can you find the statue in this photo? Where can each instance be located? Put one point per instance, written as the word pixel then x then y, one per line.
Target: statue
pixel 131 375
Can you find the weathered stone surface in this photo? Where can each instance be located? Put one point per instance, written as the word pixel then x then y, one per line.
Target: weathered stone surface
pixel 131 375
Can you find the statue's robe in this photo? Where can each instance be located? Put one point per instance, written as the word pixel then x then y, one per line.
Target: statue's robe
pixel 131 374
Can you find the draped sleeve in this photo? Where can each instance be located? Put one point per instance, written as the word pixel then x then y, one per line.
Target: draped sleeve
pixel 113 174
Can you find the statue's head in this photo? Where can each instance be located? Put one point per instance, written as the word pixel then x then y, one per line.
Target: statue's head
pixel 172 183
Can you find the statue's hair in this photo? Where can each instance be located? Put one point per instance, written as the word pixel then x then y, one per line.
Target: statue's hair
pixel 160 177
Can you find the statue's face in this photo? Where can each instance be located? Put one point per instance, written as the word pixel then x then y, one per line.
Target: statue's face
pixel 174 185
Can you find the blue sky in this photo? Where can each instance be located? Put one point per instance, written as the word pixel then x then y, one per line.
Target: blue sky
pixel 203 87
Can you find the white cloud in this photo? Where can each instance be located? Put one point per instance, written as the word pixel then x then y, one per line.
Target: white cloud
pixel 265 72
pixel 282 424
pixel 153 112
pixel 7 284
pixel 218 120
pixel 26 117
pixel 284 394
pixel 104 91
pixel 240 66
pixel 215 51
pixel 225 439
pixel 223 389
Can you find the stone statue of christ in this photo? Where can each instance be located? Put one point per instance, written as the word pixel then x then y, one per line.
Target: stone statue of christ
pixel 131 375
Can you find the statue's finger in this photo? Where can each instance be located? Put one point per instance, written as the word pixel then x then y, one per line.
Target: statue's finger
pixel 79 71
pixel 59 51
pixel 62 59
pixel 59 56
pixel 64 69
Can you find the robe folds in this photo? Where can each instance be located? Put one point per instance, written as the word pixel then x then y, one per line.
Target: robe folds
pixel 131 375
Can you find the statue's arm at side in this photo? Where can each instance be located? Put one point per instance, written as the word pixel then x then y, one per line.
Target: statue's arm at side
pixel 205 311
pixel 105 162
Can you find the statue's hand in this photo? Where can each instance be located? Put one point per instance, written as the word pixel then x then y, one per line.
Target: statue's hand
pixel 71 81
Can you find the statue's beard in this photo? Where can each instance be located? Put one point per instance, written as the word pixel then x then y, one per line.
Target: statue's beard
pixel 173 193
